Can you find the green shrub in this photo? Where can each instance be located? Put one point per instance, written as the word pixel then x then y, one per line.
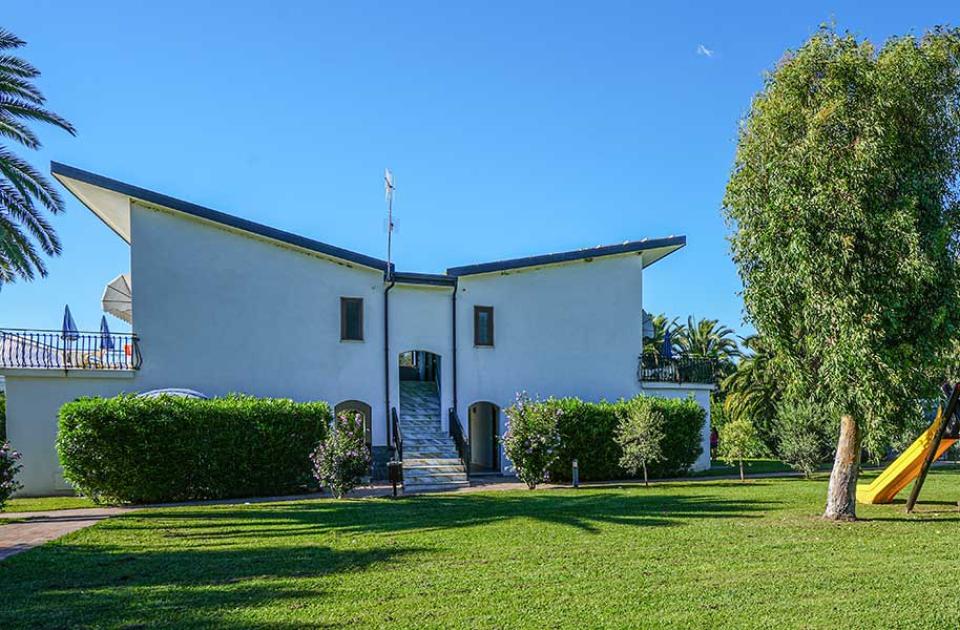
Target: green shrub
pixel 3 417
pixel 588 432
pixel 806 434
pixel 9 467
pixel 144 450
pixel 531 440
pixel 342 457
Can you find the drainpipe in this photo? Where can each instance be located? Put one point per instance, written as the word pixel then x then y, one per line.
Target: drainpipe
pixel 386 346
pixel 453 312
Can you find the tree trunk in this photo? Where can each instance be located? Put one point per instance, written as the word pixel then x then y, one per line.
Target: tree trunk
pixel 842 492
pixel 646 482
pixel 742 478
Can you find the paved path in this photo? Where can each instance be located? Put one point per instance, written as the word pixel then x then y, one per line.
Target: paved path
pixel 29 529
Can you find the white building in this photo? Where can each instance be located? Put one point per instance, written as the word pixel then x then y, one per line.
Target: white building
pixel 221 304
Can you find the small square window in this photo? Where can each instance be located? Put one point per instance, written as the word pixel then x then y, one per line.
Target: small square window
pixel 483 325
pixel 351 319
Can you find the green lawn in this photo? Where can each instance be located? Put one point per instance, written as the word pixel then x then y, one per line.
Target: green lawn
pixel 750 467
pixel 42 504
pixel 706 554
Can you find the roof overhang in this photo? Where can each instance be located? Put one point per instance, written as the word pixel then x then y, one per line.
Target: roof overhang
pixel 110 200
pixel 652 250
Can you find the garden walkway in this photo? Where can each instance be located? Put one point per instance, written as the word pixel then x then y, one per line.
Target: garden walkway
pixel 29 529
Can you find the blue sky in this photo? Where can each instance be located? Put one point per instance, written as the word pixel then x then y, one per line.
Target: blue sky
pixel 513 128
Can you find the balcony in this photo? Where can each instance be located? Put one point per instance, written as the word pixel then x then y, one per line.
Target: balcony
pixel 54 350
pixel 677 369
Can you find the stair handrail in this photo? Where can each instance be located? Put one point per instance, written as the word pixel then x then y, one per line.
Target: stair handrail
pixel 397 433
pixel 458 435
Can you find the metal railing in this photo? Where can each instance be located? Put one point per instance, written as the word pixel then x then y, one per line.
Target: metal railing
pixel 463 444
pixel 397 433
pixel 52 349
pixel 676 369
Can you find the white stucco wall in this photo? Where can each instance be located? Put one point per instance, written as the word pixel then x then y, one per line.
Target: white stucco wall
pixel 33 403
pixel 220 311
pixel 573 329
pixel 421 319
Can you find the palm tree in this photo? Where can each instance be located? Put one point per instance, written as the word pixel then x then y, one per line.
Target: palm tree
pixel 752 392
pixel 24 192
pixel 654 345
pixel 709 339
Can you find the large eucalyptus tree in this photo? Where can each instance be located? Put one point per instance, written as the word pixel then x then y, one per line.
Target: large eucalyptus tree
pixel 25 194
pixel 844 206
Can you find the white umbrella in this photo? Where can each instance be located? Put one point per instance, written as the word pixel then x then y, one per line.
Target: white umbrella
pixel 118 298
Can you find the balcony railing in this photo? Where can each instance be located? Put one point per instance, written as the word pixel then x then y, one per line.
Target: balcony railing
pixel 677 369
pixel 52 349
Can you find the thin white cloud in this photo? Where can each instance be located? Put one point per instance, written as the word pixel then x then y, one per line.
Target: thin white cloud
pixel 704 51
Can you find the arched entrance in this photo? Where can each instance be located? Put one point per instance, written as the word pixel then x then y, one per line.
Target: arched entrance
pixel 419 372
pixel 484 421
pixel 364 410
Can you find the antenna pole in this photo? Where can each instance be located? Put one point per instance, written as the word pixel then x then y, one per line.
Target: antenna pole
pixel 388 186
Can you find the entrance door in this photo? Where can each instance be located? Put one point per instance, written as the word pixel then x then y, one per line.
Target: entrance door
pixel 484 438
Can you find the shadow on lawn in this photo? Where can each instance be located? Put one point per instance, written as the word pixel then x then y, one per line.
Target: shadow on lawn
pixel 71 585
pixel 585 512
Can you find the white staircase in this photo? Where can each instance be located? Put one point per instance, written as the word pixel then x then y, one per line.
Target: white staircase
pixel 430 459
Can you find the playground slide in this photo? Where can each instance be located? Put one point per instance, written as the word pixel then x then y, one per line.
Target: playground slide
pixel 904 469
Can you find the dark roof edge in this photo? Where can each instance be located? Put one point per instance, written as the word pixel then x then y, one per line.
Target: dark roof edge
pixel 579 254
pixel 433 279
pixel 216 216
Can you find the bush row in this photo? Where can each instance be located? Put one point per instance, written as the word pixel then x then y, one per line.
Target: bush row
pixel 587 432
pixel 145 450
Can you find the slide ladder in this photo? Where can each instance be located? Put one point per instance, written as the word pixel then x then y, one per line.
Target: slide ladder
pixel 914 462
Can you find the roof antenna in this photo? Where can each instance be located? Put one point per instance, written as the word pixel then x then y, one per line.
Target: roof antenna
pixel 389 187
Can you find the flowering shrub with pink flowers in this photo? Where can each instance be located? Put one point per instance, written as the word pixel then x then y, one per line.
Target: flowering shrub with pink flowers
pixel 9 467
pixel 532 439
pixel 342 458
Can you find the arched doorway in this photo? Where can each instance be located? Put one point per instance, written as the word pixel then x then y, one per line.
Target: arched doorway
pixel 419 372
pixel 484 421
pixel 363 409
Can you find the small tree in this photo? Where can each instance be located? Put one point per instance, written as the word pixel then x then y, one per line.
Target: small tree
pixel 640 435
pixel 9 467
pixel 342 458
pixel 738 441
pixel 804 433
pixel 532 439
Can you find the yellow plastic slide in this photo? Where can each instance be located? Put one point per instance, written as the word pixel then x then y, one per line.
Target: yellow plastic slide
pixel 904 469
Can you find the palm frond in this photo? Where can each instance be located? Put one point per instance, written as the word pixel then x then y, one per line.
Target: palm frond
pixel 16 130
pixel 17 67
pixel 20 208
pixel 23 109
pixel 20 88
pixel 9 40
pixel 18 256
pixel 29 181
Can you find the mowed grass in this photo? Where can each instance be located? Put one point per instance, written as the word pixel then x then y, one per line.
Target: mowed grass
pixel 43 504
pixel 708 554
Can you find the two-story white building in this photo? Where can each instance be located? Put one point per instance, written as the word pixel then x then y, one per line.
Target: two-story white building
pixel 219 304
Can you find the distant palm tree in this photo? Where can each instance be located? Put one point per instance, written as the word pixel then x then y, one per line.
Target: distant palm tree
pixel 752 392
pixel 24 192
pixel 654 345
pixel 709 339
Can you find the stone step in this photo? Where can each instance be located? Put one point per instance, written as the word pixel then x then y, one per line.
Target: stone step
pixel 420 471
pixel 422 462
pixel 433 487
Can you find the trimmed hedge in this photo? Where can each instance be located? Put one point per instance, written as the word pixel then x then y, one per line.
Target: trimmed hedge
pixel 587 432
pixel 148 450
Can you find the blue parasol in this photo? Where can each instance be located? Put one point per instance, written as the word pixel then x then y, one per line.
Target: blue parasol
pixel 106 339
